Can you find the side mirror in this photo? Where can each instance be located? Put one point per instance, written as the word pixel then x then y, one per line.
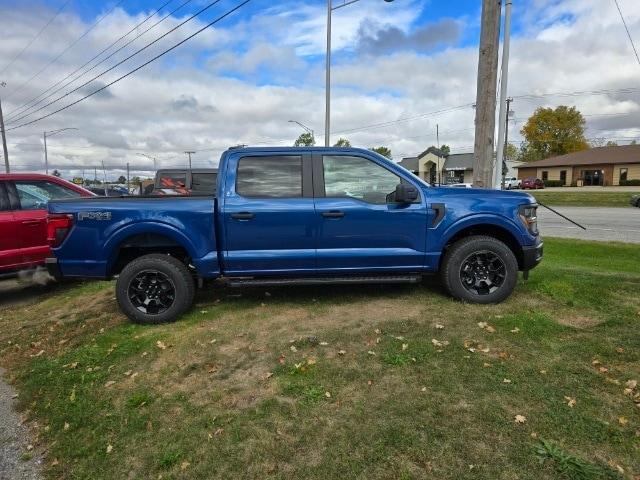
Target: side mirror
pixel 405 193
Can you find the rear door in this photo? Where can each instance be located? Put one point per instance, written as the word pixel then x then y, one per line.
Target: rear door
pixel 268 215
pixel 360 229
pixel 9 253
pixel 31 217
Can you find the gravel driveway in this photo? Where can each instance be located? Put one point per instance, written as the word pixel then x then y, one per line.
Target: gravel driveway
pixel 14 440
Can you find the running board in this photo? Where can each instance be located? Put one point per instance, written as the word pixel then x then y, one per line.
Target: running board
pixel 275 282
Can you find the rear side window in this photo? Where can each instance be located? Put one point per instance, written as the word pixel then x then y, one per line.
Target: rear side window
pixel 172 180
pixel 270 177
pixel 204 183
pixel 4 198
pixel 34 195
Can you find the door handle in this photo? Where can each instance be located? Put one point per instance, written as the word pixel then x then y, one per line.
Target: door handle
pixel 31 223
pixel 242 216
pixel 333 214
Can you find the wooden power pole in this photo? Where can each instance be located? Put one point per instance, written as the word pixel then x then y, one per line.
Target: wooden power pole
pixel 486 94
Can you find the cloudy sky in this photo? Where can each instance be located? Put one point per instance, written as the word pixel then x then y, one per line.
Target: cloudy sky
pixel 399 69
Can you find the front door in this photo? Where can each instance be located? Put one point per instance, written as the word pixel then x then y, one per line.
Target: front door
pixel 268 215
pixel 9 253
pixel 359 228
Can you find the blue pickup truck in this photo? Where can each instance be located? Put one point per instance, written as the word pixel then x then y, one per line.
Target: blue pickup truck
pixel 283 216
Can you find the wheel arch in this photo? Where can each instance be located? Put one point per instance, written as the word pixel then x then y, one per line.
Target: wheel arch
pixel 487 226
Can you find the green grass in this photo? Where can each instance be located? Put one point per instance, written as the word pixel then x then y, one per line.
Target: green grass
pixel 580 198
pixel 342 383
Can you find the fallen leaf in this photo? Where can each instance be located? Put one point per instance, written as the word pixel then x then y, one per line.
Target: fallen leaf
pixel 423 389
pixel 268 375
pixel 603 369
pixel 184 465
pixel 219 431
pixel 109 448
pixel 595 362
pixel 486 365
pixel 632 384
pixel 520 419
pixel 623 421
pixel 109 383
pixel 570 401
pixel 369 382
pixel 405 346
pixel 327 394
pixel 620 350
pixel 482 324
pixel 127 373
pixel 55 462
pixel 628 391
pixel 161 345
pixel 293 348
pixel 311 361
pixel 324 344
pixel 66 426
pixel 506 380
pixel 371 352
pixel 490 329
pixel 342 352
pixel 515 330
pixel 543 372
pixel 439 326
pixel 29 447
pixel 213 341
pixel 377 331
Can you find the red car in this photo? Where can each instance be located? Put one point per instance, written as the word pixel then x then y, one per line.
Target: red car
pixel 23 218
pixel 532 183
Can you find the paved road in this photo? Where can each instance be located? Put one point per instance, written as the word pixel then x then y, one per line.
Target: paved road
pixel 603 223
pixel 14 441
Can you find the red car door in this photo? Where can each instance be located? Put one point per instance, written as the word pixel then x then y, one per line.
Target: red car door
pixel 31 218
pixel 10 255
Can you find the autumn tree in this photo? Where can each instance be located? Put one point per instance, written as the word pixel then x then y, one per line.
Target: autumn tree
pixel 511 152
pixel 305 140
pixel 384 151
pixel 551 132
pixel 343 143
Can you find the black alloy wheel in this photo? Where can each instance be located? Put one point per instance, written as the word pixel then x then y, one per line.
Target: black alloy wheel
pixel 482 272
pixel 152 292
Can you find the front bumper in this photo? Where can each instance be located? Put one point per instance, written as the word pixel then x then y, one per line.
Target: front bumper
pixel 53 268
pixel 532 256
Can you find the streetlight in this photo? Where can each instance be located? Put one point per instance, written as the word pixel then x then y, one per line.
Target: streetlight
pixel 50 134
pixel 150 158
pixel 307 129
pixel 327 115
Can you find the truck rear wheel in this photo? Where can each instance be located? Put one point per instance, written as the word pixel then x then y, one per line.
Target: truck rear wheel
pixel 155 288
pixel 479 269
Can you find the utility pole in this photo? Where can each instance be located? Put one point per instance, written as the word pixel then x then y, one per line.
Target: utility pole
pixel 128 186
pixel 189 153
pixel 4 138
pixel 504 102
pixel 506 138
pixel 486 94
pixel 438 146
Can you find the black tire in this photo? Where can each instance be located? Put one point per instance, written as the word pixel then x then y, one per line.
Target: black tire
pixel 153 277
pixel 465 277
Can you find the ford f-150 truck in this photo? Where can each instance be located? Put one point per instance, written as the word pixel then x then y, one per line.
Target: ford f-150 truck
pixel 284 216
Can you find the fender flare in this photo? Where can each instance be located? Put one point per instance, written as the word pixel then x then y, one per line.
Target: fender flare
pixel 479 219
pixel 116 239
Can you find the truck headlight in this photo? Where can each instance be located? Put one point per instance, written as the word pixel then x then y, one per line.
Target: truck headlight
pixel 528 216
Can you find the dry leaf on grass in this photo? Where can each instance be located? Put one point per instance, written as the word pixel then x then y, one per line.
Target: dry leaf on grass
pixel 439 326
pixel 109 448
pixel 571 401
pixel 632 384
pixel 184 465
pixel 506 380
pixel 161 345
pixel 623 421
pixel 520 419
pixel 109 383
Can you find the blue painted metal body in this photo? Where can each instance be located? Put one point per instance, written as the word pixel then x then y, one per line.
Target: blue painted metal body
pixel 288 236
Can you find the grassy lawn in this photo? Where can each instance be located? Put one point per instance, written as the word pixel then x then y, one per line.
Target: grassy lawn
pixel 369 382
pixel 583 199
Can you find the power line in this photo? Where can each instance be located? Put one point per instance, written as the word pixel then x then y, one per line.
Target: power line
pixel 26 107
pixel 69 47
pixel 37 35
pixel 104 87
pixel 624 22
pixel 199 12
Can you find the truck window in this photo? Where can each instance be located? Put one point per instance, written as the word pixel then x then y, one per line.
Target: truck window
pixel 34 195
pixel 270 177
pixel 359 178
pixel 204 183
pixel 172 180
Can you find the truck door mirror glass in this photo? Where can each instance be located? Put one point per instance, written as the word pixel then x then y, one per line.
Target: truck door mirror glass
pixel 405 193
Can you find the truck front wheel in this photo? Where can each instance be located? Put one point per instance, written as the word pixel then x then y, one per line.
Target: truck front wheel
pixel 155 288
pixel 479 269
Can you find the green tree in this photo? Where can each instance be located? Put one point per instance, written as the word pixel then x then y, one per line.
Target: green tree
pixel 384 151
pixel 511 152
pixel 136 180
pixel 611 143
pixel 305 140
pixel 446 150
pixel 122 179
pixel 633 142
pixel 343 142
pixel 551 132
pixel 56 173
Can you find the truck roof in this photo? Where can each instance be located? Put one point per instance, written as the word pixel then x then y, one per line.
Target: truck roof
pixel 325 150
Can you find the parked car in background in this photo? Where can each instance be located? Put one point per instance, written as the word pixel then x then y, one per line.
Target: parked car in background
pixel 23 218
pixel 635 201
pixel 532 183
pixel 512 182
pixel 184 181
pixel 108 191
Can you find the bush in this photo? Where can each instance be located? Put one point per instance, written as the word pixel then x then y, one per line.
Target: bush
pixel 630 183
pixel 553 183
